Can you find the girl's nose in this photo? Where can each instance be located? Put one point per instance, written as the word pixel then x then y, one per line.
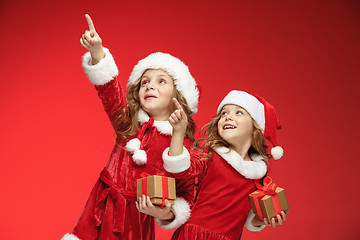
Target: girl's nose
pixel 150 86
pixel 228 117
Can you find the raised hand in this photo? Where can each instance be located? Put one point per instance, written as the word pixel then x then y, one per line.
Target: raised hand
pixel 92 42
pixel 178 118
pixel 179 122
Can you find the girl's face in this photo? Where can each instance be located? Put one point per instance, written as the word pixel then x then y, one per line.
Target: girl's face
pixel 235 125
pixel 156 92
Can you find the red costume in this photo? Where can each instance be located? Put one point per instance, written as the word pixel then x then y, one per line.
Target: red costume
pixel 222 207
pixel 110 212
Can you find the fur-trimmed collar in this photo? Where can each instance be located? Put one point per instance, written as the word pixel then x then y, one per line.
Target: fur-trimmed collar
pixel 254 169
pixel 163 127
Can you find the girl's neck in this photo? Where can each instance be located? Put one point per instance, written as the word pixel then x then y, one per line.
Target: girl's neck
pixel 159 117
pixel 242 150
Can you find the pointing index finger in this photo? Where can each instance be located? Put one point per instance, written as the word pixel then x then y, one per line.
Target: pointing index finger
pixel 90 22
pixel 177 104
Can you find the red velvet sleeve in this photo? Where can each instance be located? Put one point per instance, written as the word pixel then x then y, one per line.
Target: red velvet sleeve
pixel 112 97
pixel 187 182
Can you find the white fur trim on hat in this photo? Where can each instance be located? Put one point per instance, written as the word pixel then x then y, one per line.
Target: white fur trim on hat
pixel 176 164
pixel 277 152
pixel 249 169
pixel 249 225
pixel 180 73
pixel 69 236
pixel 247 101
pixel 181 210
pixel 102 72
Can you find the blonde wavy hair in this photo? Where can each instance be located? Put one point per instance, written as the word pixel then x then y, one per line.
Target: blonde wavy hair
pixel 213 139
pixel 126 120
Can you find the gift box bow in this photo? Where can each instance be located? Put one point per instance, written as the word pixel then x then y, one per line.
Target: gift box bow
pixel 269 188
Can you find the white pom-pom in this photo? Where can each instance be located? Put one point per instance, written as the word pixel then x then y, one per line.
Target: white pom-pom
pixel 277 152
pixel 69 237
pixel 133 145
pixel 139 157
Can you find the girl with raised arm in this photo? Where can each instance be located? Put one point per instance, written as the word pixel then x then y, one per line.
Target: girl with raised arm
pixel 232 157
pixel 140 120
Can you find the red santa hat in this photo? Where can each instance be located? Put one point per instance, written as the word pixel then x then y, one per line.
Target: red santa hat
pixel 262 112
pixel 180 73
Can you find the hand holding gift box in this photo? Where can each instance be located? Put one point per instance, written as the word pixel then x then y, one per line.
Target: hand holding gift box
pixel 269 200
pixel 157 188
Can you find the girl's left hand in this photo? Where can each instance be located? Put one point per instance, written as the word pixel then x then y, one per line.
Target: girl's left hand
pixel 178 118
pixel 279 220
pixel 144 205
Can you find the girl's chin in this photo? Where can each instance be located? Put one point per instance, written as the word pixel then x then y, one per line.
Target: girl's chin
pixel 156 114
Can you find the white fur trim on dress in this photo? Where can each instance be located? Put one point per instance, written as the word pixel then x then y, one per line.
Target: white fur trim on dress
pixel 181 210
pixel 249 169
pixel 133 146
pixel 143 117
pixel 176 164
pixel 247 101
pixel 180 73
pixel 277 152
pixel 163 127
pixel 102 72
pixel 249 225
pixel 69 236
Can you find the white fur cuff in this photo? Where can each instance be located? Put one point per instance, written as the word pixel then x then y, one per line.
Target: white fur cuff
pixel 70 236
pixel 249 225
pixel 181 210
pixel 102 72
pixel 176 164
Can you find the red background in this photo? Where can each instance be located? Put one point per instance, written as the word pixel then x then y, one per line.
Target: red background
pixel 302 56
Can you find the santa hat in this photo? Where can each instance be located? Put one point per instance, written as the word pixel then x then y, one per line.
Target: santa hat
pixel 263 114
pixel 180 73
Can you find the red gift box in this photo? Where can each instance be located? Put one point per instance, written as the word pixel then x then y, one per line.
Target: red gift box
pixel 158 188
pixel 269 200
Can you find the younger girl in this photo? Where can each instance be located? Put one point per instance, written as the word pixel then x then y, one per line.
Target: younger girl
pixel 143 132
pixel 236 157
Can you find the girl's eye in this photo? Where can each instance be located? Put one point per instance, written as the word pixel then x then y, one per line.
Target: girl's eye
pixel 144 82
pixel 239 113
pixel 223 113
pixel 162 81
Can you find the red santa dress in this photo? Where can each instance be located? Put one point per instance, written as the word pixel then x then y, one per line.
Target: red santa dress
pixel 222 207
pixel 110 212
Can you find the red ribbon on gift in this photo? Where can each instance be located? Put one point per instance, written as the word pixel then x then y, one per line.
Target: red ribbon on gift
pixel 165 186
pixel 269 188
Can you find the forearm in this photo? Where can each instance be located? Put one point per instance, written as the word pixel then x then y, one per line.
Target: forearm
pixel 97 55
pixel 177 143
